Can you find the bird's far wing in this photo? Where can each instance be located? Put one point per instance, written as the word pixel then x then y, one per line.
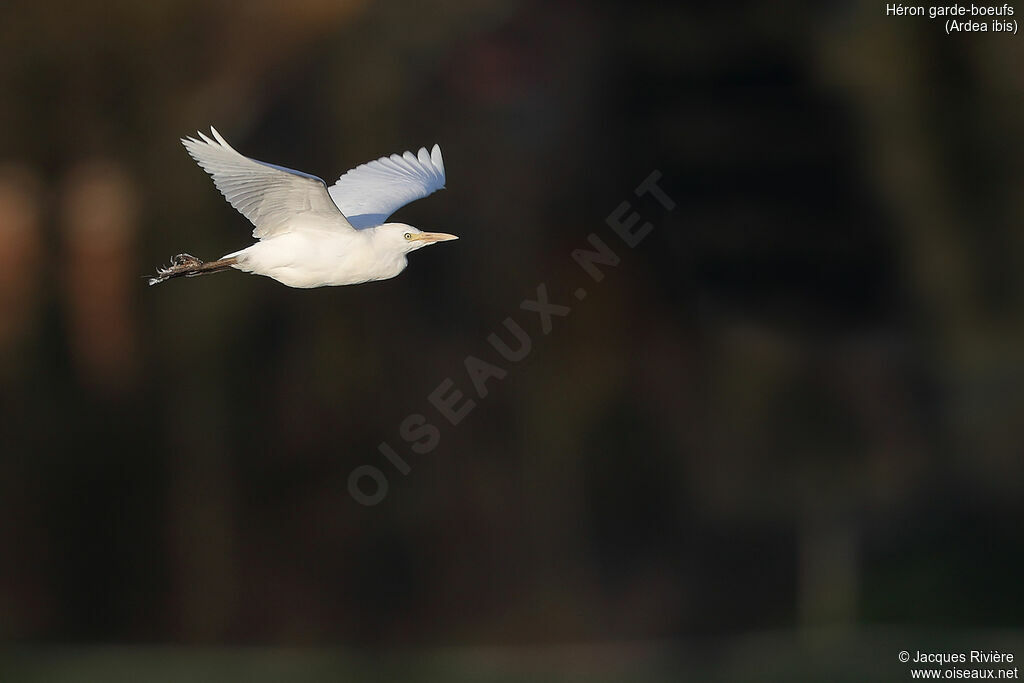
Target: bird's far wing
pixel 268 195
pixel 368 194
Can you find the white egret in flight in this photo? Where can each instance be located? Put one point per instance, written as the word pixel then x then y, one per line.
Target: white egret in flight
pixel 310 235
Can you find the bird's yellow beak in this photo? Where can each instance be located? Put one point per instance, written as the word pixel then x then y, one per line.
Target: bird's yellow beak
pixel 431 237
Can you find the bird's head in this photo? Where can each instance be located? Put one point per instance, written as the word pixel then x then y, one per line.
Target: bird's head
pixel 405 238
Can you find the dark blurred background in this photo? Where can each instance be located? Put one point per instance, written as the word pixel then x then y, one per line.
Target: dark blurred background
pixel 781 439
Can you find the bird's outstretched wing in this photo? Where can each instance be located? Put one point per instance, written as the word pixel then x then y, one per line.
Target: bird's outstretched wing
pixel 269 196
pixel 368 194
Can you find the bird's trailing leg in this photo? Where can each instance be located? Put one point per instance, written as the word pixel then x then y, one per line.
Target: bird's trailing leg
pixel 186 265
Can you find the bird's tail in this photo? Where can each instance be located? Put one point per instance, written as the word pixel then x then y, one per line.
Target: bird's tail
pixel 186 265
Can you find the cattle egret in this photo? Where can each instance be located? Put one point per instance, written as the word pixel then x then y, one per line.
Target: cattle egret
pixel 310 235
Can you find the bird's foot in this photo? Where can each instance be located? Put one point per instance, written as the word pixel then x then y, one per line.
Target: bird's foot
pixel 185 261
pixel 182 264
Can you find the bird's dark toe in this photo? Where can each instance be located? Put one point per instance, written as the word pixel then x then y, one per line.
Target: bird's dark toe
pixel 185 260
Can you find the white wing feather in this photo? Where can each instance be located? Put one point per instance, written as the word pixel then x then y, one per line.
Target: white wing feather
pixel 270 196
pixel 368 194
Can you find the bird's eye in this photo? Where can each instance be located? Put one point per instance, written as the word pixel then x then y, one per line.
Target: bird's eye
pixel 407 236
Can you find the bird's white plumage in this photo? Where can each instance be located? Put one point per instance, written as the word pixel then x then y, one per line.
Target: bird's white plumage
pixel 270 196
pixel 312 236
pixel 369 193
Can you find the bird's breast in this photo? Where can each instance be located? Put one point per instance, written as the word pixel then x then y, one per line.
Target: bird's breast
pixel 312 259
